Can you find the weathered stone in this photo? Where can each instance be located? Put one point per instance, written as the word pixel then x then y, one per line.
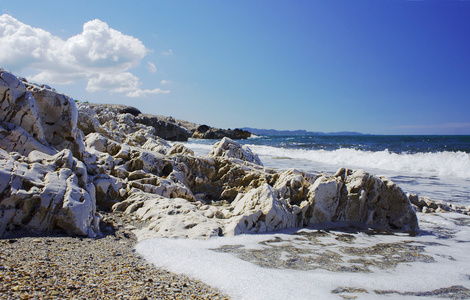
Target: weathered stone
pixel 260 210
pixel 360 199
pixel 231 149
pixel 42 192
pixel 53 176
pixel 166 130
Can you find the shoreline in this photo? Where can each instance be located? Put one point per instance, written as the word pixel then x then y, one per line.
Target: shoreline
pixel 57 266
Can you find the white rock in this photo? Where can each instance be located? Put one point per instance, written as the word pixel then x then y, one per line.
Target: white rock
pixel 260 210
pixel 42 192
pixel 231 149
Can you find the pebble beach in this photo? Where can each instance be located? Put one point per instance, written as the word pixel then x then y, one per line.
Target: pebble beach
pixel 57 266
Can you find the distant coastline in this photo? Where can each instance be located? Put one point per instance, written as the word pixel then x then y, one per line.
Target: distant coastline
pixel 296 132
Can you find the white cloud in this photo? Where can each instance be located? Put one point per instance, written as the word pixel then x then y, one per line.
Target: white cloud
pixel 101 55
pixel 151 67
pixel 169 52
pixel 126 83
pixel 165 82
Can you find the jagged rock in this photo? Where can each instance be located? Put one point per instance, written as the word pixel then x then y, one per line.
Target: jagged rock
pixel 47 116
pixel 173 217
pixel 360 199
pixel 349 198
pixel 260 210
pixel 427 205
pixel 42 192
pixel 59 118
pixel 178 148
pixel 16 139
pixel 157 145
pixel 121 128
pixel 231 149
pixel 58 163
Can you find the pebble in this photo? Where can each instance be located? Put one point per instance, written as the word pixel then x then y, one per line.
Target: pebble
pixel 63 267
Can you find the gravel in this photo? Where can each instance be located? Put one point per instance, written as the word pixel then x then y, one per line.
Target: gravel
pixel 55 266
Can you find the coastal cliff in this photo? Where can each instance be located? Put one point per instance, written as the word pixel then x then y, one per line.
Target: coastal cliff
pixel 62 163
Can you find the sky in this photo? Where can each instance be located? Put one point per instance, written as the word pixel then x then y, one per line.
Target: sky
pixel 379 67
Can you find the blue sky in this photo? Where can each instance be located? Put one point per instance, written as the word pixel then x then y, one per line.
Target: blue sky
pixel 381 67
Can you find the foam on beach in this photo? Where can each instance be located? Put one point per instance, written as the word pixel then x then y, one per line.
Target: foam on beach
pixel 254 266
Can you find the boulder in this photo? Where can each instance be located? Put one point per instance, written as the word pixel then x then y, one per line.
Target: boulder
pixel 42 193
pixel 354 197
pixel 48 117
pixel 230 149
pixel 260 210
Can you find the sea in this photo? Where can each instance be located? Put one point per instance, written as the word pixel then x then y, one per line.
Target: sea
pixel 343 263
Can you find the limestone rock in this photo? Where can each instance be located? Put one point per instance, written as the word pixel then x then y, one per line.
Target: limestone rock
pixel 178 148
pixel 59 118
pixel 42 192
pixel 60 162
pixel 260 210
pixel 173 217
pixel 18 106
pixel 360 199
pixel 231 149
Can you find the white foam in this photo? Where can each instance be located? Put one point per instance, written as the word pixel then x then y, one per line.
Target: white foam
pixel 442 164
pixel 245 280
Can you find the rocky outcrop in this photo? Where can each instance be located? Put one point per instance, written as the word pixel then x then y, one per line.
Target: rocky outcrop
pixel 206 132
pixel 231 149
pixel 349 198
pixel 164 129
pixel 60 163
pixel 43 183
pixel 42 192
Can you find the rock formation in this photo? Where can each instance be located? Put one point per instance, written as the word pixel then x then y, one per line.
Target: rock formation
pixel 206 132
pixel 169 128
pixel 60 163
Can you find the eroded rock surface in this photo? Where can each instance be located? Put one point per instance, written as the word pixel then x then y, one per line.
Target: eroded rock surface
pixel 60 163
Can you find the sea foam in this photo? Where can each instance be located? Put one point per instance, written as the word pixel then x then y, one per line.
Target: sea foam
pixel 443 164
pixel 241 265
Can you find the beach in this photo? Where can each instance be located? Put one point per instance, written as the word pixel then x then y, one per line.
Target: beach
pixel 57 266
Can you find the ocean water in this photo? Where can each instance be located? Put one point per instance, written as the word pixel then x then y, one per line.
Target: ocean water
pixel 336 264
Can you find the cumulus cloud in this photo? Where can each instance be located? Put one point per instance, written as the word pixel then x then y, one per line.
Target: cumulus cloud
pixel 101 55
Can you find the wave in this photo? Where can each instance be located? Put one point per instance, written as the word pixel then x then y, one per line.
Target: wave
pixel 442 164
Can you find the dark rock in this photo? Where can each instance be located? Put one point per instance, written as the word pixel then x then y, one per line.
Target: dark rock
pixel 117 108
pixel 206 132
pixel 164 128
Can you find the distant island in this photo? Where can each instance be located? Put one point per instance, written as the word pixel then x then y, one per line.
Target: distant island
pixel 296 132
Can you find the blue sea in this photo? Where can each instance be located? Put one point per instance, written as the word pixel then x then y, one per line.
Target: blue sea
pixel 307 263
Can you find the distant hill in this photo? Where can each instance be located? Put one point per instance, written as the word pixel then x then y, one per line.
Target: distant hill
pixel 296 132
